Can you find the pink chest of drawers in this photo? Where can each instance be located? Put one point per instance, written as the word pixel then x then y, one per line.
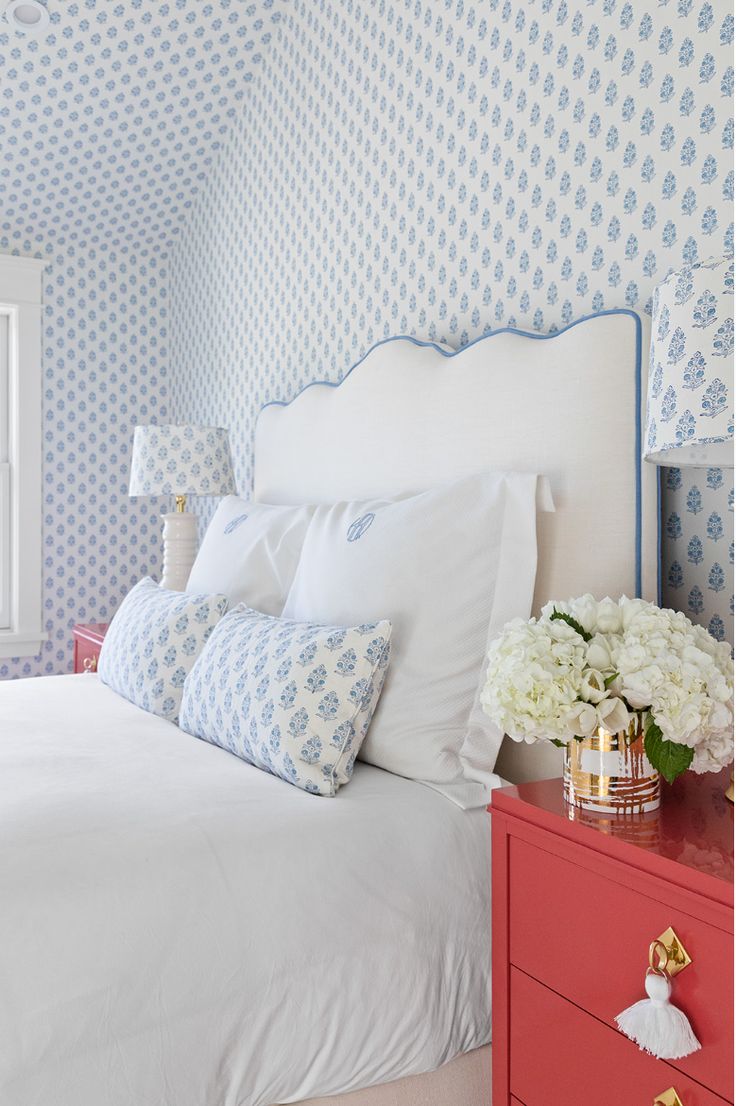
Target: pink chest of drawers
pixel 577 900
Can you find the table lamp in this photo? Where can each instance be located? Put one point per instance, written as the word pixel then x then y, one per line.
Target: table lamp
pixel 690 398
pixel 180 461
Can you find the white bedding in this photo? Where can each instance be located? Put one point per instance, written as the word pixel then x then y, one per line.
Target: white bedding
pixel 178 928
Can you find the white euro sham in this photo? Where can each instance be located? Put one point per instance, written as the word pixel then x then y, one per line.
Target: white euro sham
pixel 250 552
pixel 447 568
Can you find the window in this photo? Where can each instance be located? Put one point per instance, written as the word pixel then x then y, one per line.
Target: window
pixel 20 457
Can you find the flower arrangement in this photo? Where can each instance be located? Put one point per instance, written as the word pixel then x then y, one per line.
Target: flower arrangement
pixel 589 665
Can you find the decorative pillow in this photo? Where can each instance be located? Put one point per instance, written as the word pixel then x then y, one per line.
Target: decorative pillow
pixel 250 552
pixel 292 698
pixel 448 567
pixel 152 643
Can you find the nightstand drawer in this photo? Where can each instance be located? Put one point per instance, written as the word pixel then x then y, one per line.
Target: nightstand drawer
pixel 561 1055
pixel 587 937
pixel 88 639
pixel 86 654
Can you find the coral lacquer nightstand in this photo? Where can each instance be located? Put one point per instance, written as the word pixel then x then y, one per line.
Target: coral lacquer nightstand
pixel 88 638
pixel 577 900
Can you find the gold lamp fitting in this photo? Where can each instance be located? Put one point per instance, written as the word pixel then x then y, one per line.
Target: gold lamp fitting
pixel 181 502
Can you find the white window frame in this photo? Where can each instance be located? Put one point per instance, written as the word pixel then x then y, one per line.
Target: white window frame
pixel 21 624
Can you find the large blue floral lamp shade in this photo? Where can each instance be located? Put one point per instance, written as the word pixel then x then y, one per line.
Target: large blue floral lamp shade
pixel 690 401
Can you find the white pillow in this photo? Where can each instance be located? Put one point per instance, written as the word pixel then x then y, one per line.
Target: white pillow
pixel 250 552
pixel 448 568
pixel 152 644
pixel 292 698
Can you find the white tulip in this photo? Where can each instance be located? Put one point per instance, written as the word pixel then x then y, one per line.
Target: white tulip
pixel 582 720
pixel 613 715
pixel 598 654
pixel 593 686
pixel 585 611
pixel 609 619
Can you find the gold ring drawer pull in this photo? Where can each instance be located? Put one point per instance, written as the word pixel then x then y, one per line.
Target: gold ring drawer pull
pixel 90 664
pixel 669 1098
pixel 677 955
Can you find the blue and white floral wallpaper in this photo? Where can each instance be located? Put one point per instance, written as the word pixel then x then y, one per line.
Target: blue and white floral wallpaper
pixel 108 127
pixel 237 197
pixel 445 168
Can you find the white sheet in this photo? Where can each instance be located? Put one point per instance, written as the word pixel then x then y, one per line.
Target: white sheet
pixel 178 928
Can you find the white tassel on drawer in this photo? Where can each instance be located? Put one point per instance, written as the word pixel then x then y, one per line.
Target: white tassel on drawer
pixel 655 1024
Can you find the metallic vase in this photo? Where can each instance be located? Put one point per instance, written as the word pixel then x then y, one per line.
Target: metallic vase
pixel 611 773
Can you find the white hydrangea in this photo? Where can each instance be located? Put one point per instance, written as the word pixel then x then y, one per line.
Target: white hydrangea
pixel 534 678
pixel 547 680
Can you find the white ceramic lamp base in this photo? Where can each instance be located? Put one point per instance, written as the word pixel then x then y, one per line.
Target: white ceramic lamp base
pixel 180 549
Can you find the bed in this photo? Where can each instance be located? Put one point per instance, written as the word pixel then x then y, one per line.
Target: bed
pixel 180 929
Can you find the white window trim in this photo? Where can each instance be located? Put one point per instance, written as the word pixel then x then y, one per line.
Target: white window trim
pixel 20 295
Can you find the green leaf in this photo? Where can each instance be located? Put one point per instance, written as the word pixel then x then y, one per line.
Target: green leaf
pixel 556 741
pixel 667 757
pixel 609 680
pixel 572 622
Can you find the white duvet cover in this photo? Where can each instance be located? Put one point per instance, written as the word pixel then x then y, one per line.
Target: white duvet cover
pixel 178 928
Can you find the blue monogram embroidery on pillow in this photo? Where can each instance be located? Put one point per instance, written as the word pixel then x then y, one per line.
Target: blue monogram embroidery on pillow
pixel 234 523
pixel 359 527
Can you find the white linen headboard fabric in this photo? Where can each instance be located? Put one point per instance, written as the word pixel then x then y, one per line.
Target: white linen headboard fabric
pixel 412 415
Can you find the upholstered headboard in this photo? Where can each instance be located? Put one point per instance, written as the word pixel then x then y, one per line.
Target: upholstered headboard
pixel 412 414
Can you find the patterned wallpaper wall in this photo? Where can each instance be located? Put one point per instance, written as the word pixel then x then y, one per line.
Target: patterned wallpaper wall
pixel 108 126
pixel 444 168
pixel 104 368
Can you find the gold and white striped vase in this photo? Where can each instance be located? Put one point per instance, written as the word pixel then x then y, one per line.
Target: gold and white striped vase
pixel 611 773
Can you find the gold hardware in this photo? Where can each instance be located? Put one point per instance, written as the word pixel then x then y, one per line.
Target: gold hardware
pixel 677 955
pixel 668 1098
pixel 181 502
pixel 658 958
pixel 90 664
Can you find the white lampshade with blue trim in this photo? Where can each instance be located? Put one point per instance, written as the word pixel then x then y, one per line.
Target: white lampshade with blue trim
pixel 690 399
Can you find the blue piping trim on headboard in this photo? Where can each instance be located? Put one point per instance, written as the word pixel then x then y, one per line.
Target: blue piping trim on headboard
pixel 538 337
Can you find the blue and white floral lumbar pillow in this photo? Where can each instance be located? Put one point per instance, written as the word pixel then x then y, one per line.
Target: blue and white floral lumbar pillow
pixel 153 642
pixel 293 698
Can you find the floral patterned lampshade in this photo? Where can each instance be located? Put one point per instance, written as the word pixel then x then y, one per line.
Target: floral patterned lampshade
pixel 181 460
pixel 690 403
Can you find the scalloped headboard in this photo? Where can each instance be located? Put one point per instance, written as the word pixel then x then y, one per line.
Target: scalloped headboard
pixel 411 415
